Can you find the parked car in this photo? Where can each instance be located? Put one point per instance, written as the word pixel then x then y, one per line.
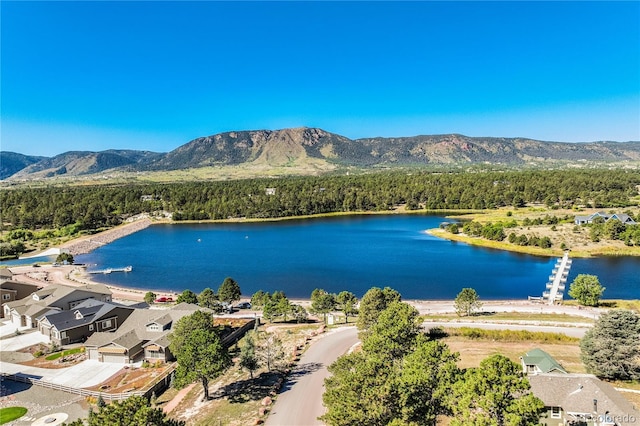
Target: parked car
pixel 243 305
pixel 164 299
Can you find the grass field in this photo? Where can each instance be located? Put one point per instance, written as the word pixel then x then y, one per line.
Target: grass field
pixel 9 414
pixel 575 239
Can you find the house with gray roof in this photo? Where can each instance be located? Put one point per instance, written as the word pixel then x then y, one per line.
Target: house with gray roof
pixel 54 297
pixel 11 291
pixel 581 399
pixel 622 217
pixel 537 361
pixel 143 335
pixel 76 325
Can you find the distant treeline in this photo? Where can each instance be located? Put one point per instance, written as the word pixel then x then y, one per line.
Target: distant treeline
pixel 93 207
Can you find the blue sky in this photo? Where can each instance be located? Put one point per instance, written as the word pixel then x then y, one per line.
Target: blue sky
pixel 154 75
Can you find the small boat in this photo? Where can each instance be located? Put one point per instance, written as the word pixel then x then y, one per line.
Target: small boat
pixel 128 269
pixel 107 271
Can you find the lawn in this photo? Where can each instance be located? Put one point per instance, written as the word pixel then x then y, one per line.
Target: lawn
pixel 11 413
pixel 57 355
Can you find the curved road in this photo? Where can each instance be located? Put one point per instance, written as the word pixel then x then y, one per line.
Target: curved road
pixel 300 400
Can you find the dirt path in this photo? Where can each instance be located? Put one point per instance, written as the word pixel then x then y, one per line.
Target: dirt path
pixel 178 398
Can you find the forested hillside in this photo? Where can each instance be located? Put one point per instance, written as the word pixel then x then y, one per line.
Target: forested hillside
pixel 99 206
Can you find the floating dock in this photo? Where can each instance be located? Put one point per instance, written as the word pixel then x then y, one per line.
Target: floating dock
pixel 110 270
pixel 557 281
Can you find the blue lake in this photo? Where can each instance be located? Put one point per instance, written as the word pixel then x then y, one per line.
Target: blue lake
pixel 342 253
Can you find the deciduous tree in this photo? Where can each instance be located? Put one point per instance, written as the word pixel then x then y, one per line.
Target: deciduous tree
pixel 586 289
pixel 467 302
pixel 150 297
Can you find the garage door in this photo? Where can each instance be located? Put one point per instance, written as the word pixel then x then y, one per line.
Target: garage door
pixel 115 358
pixel 93 353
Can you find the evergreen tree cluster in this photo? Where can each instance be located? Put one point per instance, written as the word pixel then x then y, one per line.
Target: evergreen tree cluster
pixel 402 377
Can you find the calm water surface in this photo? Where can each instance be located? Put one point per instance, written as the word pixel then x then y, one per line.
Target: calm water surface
pixel 344 253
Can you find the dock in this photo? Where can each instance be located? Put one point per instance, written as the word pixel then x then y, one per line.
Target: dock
pixel 110 270
pixel 557 280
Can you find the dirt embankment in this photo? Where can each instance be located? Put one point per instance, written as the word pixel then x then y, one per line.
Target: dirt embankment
pixel 87 244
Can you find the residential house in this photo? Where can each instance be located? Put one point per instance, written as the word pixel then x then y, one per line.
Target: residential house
pixel 55 297
pixel 622 217
pixel 5 274
pixel 77 324
pixel 537 361
pixel 143 335
pixel 581 400
pixel 14 290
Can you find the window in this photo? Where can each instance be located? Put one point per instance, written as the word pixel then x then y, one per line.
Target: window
pixel 6 296
pixel 556 412
pixel 63 335
pixel 55 334
pixel 154 354
pixel 90 327
pixel 106 323
pixel 153 327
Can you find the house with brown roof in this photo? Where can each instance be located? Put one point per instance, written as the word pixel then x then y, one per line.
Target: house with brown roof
pixel 581 400
pixel 11 291
pixel 55 297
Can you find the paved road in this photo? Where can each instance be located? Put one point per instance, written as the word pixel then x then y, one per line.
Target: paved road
pixel 300 401
pixel 569 331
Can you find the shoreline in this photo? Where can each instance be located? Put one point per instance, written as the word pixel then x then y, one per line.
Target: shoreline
pixel 75 276
pixel 86 244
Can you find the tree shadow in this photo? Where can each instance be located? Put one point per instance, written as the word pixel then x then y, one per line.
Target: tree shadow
pixel 249 390
pixel 261 386
pixel 300 371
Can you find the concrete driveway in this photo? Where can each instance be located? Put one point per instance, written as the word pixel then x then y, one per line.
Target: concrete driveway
pixel 83 375
pixel 22 341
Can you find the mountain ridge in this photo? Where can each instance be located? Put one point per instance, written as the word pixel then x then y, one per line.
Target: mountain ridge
pixel 297 147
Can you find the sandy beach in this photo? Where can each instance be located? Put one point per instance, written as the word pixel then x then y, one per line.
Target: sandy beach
pixel 76 276
pixel 84 245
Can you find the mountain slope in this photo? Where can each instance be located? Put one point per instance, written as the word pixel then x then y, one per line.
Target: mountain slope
pixel 311 148
pixel 78 163
pixel 12 162
pixel 273 148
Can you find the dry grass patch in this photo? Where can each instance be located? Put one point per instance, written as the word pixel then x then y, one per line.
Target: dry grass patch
pixel 472 352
